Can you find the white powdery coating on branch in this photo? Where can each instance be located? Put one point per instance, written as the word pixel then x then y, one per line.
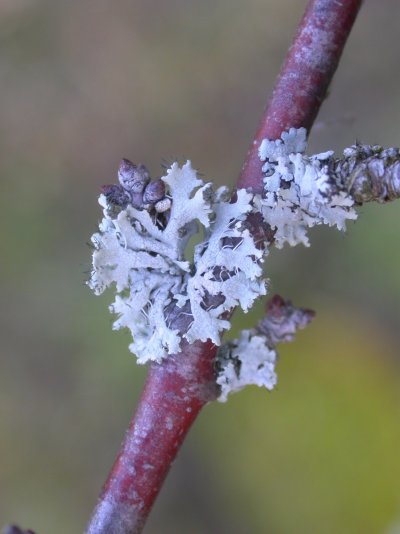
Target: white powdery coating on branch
pixel 299 192
pixel 146 262
pixel 245 361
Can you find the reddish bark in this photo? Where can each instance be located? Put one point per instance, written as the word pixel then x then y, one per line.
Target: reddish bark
pixel 305 76
pixel 172 397
pixel 176 390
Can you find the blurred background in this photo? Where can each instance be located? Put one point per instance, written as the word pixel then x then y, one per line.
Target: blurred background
pixel 86 83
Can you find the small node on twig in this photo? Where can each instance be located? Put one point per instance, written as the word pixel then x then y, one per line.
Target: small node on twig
pixel 251 359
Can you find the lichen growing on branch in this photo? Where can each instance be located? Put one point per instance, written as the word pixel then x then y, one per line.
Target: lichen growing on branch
pixel 251 359
pixel 302 191
pixel 299 190
pixel 162 296
pixel 165 296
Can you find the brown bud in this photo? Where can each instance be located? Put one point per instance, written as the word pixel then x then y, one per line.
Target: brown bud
pixel 154 192
pixel 115 194
pixel 133 177
pixel 282 320
pixel 137 200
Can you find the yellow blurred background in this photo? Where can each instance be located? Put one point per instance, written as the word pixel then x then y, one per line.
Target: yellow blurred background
pixel 86 83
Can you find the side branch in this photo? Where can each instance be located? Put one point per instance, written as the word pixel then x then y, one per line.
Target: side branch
pixel 304 79
pixel 369 173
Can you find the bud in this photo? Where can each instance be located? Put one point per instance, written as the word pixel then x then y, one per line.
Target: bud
pixel 137 200
pixel 133 177
pixel 282 320
pixel 154 192
pixel 115 194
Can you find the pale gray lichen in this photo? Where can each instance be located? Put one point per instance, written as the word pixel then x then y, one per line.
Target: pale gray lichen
pixel 227 263
pixel 251 359
pixel 243 362
pixel 163 297
pixel 299 190
pixel 143 253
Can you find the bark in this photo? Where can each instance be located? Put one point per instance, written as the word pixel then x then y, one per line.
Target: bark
pixel 173 396
pixel 305 76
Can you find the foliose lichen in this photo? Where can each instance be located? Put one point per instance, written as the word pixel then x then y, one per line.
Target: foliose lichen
pixel 252 358
pixel 245 361
pixel 165 294
pixel 300 190
pixel 142 250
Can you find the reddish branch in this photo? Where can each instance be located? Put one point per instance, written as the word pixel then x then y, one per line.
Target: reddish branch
pixel 303 81
pixel 176 390
pixel 174 393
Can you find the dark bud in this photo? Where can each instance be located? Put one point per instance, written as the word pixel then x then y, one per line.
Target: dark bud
pixel 137 200
pixel 154 192
pixel 282 320
pixel 133 177
pixel 116 195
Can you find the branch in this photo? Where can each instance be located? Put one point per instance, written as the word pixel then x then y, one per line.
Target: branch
pixel 173 396
pixel 369 173
pixel 304 79
pixel 282 320
pixel 251 359
pixel 176 389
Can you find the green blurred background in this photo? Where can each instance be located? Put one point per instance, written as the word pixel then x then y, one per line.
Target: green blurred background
pixel 85 83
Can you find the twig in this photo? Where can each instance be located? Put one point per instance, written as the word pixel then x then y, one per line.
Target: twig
pixel 174 394
pixel 176 389
pixel 305 76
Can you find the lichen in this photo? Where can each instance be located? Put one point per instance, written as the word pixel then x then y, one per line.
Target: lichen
pixel 165 296
pixel 251 359
pixel 143 252
pixel 227 264
pixel 299 190
pixel 243 362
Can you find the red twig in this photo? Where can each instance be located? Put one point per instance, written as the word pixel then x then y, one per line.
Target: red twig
pixel 173 395
pixel 303 81
pixel 176 390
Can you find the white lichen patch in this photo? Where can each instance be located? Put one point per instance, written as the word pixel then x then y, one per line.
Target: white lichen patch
pixel 245 361
pixel 161 295
pixel 299 191
pixel 251 359
pixel 227 265
pixel 164 296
